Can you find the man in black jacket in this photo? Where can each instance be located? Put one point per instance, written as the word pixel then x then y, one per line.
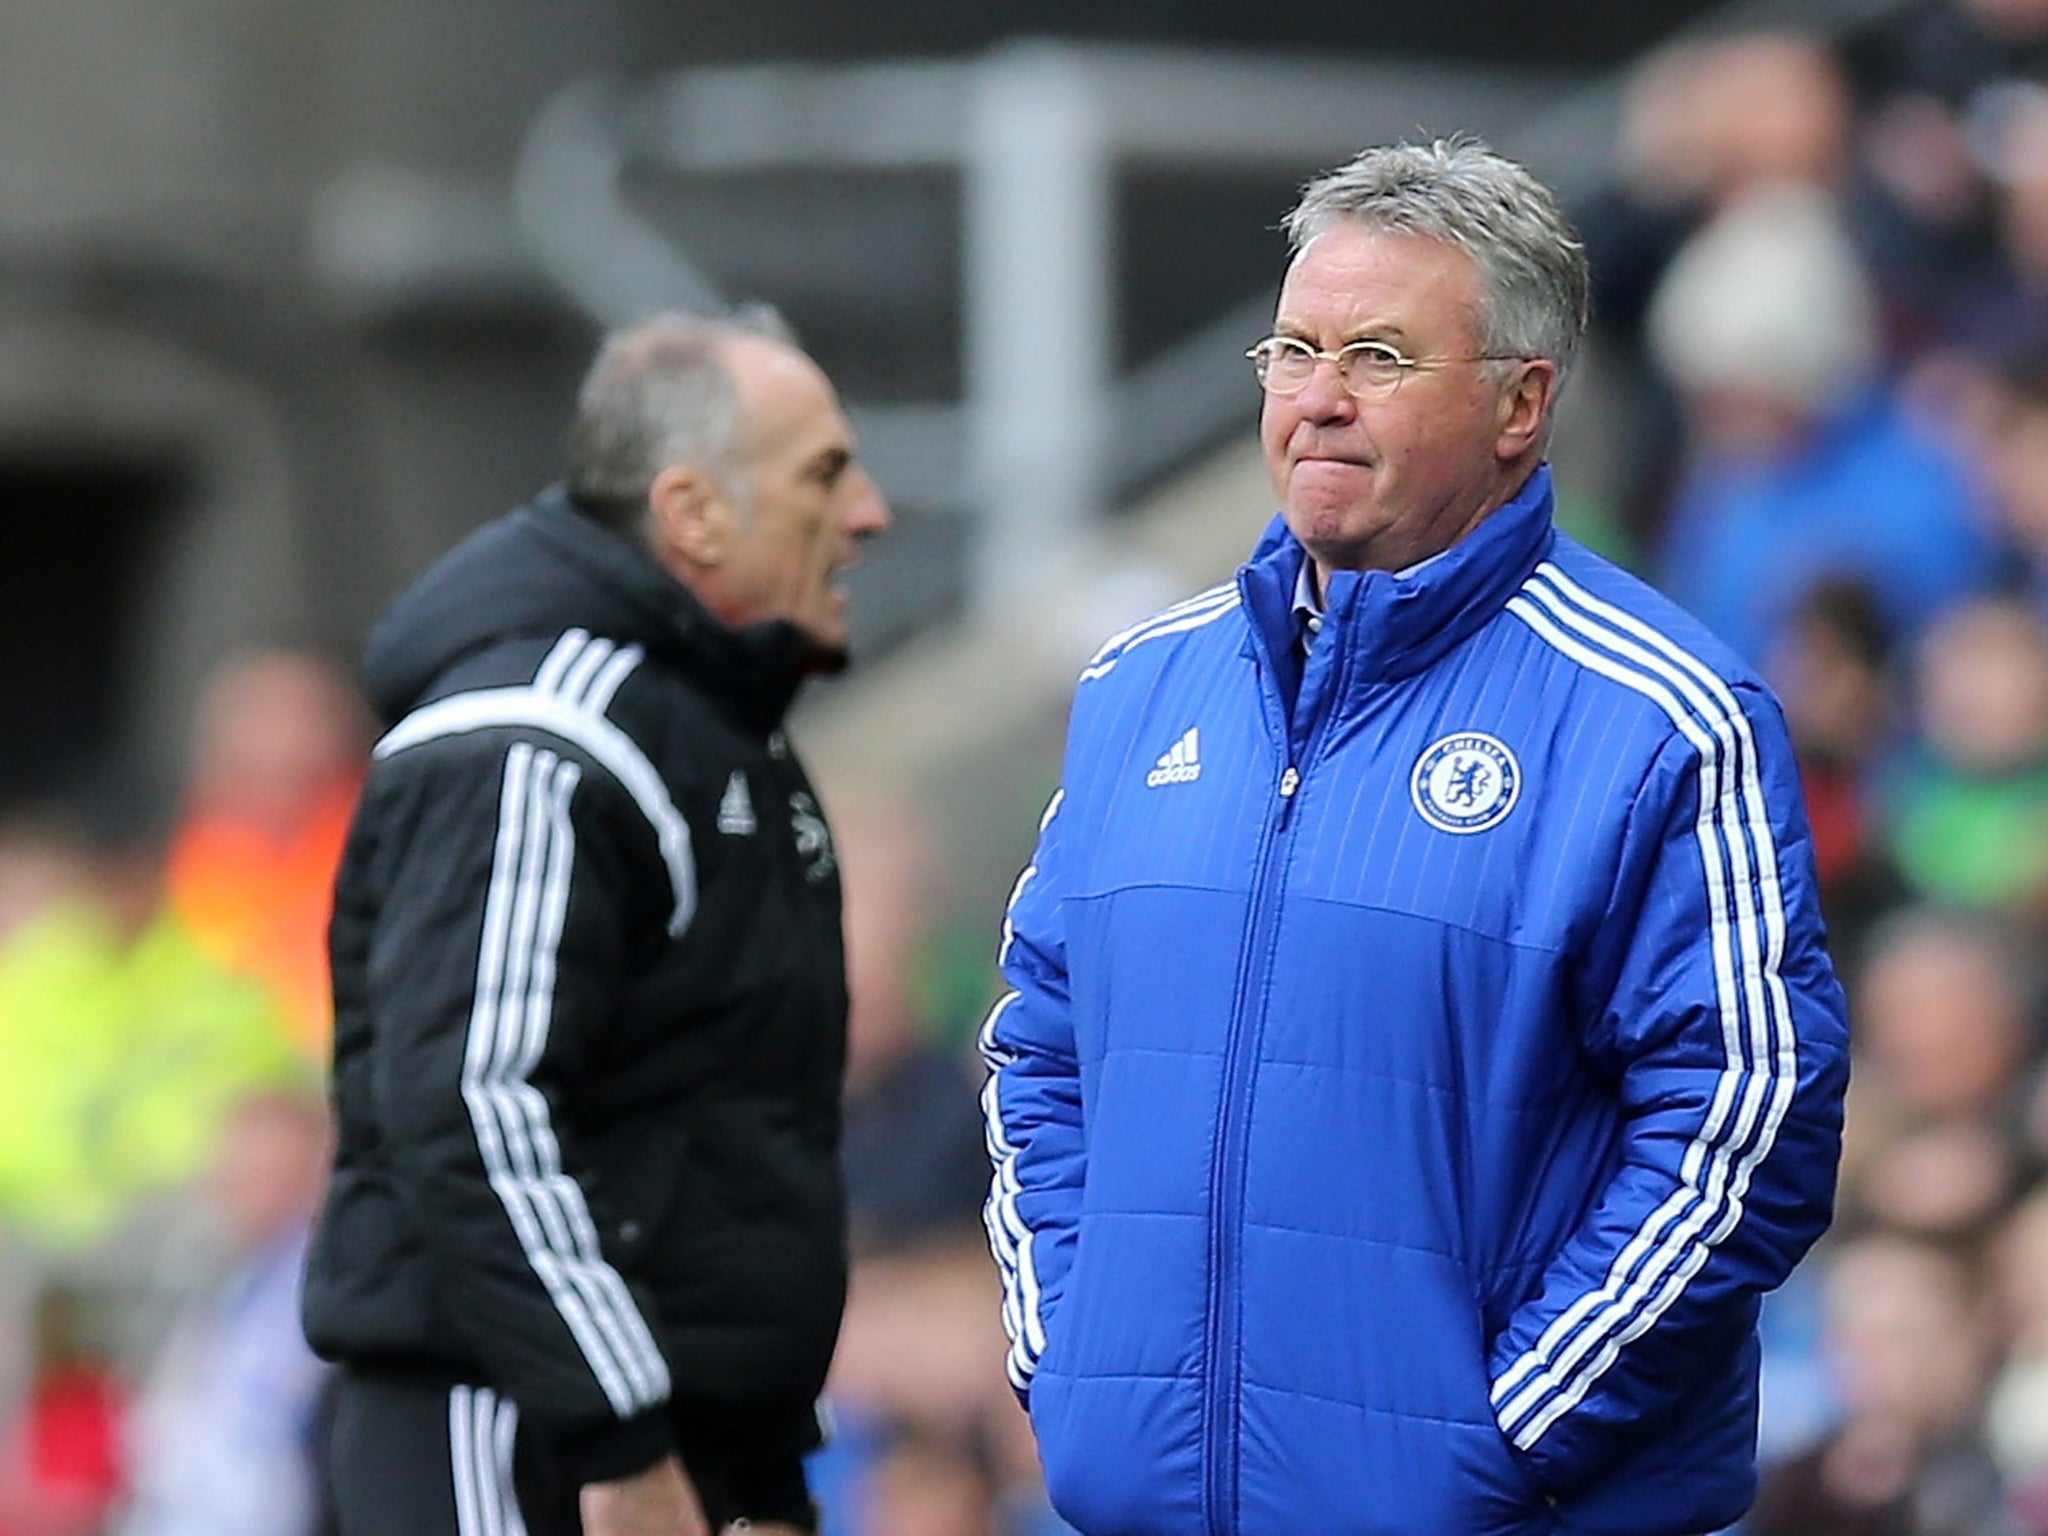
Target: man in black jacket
pixel 582 1260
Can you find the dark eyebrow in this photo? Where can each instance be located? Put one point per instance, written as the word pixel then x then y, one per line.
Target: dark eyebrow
pixel 830 463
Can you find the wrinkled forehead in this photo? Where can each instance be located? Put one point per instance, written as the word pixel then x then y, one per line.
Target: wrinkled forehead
pixel 1355 274
pixel 1356 243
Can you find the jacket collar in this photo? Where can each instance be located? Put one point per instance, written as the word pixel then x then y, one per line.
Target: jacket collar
pixel 1378 626
pixel 754 672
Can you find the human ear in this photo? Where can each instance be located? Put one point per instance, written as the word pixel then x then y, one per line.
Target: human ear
pixel 1524 407
pixel 690 516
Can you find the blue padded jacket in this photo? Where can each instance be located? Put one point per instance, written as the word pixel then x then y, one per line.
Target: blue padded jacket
pixel 1420 1059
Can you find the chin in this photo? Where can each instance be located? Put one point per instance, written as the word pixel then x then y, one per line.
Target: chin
pixel 1332 530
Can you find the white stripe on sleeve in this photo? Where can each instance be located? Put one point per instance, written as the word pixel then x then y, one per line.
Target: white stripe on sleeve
pixel 1746 932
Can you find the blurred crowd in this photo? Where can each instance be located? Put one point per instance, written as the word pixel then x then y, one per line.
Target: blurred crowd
pixel 1822 273
pixel 163 1126
pixel 1821 285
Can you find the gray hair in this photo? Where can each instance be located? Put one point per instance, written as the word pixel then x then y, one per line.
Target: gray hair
pixel 1532 266
pixel 661 393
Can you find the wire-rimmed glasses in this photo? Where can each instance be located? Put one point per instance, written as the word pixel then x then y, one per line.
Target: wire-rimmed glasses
pixel 1369 370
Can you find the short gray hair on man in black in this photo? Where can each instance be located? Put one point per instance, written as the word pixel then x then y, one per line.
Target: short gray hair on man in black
pixel 1532 266
pixel 659 393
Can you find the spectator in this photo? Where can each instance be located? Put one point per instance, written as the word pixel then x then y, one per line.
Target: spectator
pixel 912 1143
pixel 1831 665
pixel 2011 449
pixel 1804 463
pixel 1703 124
pixel 2006 294
pixel 1912 1349
pixel 277 758
pixel 1927 77
pixel 1930 79
pixel 918 1362
pixel 222 1436
pixel 931 1484
pixel 1967 811
pixel 1944 1032
pixel 124 1042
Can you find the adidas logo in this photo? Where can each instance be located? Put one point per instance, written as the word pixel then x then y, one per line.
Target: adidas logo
pixel 736 808
pixel 1181 765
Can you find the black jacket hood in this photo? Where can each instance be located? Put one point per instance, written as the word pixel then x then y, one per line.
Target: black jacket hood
pixel 546 567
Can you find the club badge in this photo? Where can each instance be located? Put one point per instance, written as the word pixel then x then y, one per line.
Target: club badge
pixel 1466 783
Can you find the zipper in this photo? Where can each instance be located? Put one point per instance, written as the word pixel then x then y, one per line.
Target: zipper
pixel 1227 1168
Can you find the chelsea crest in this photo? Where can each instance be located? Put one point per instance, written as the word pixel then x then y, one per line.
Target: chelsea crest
pixel 1467 782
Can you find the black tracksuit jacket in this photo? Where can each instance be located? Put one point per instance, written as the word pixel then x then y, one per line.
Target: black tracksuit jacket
pixel 590 1009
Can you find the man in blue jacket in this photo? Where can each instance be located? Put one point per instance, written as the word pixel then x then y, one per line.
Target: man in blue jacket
pixel 1422 1053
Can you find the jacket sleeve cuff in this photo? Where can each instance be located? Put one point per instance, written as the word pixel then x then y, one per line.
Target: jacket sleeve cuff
pixel 618 1448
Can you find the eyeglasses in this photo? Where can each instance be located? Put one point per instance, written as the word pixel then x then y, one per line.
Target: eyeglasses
pixel 1370 370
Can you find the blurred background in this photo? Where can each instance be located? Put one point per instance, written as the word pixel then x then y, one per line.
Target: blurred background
pixel 291 297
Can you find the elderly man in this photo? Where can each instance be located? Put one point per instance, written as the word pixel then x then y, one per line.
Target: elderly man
pixel 1422 1053
pixel 583 1255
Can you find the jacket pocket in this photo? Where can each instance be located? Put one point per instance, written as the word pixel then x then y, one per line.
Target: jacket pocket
pixel 1505 1499
pixel 633 1194
pixel 1506 1495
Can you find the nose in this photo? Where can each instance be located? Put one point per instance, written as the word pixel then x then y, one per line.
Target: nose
pixel 866 513
pixel 1324 397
